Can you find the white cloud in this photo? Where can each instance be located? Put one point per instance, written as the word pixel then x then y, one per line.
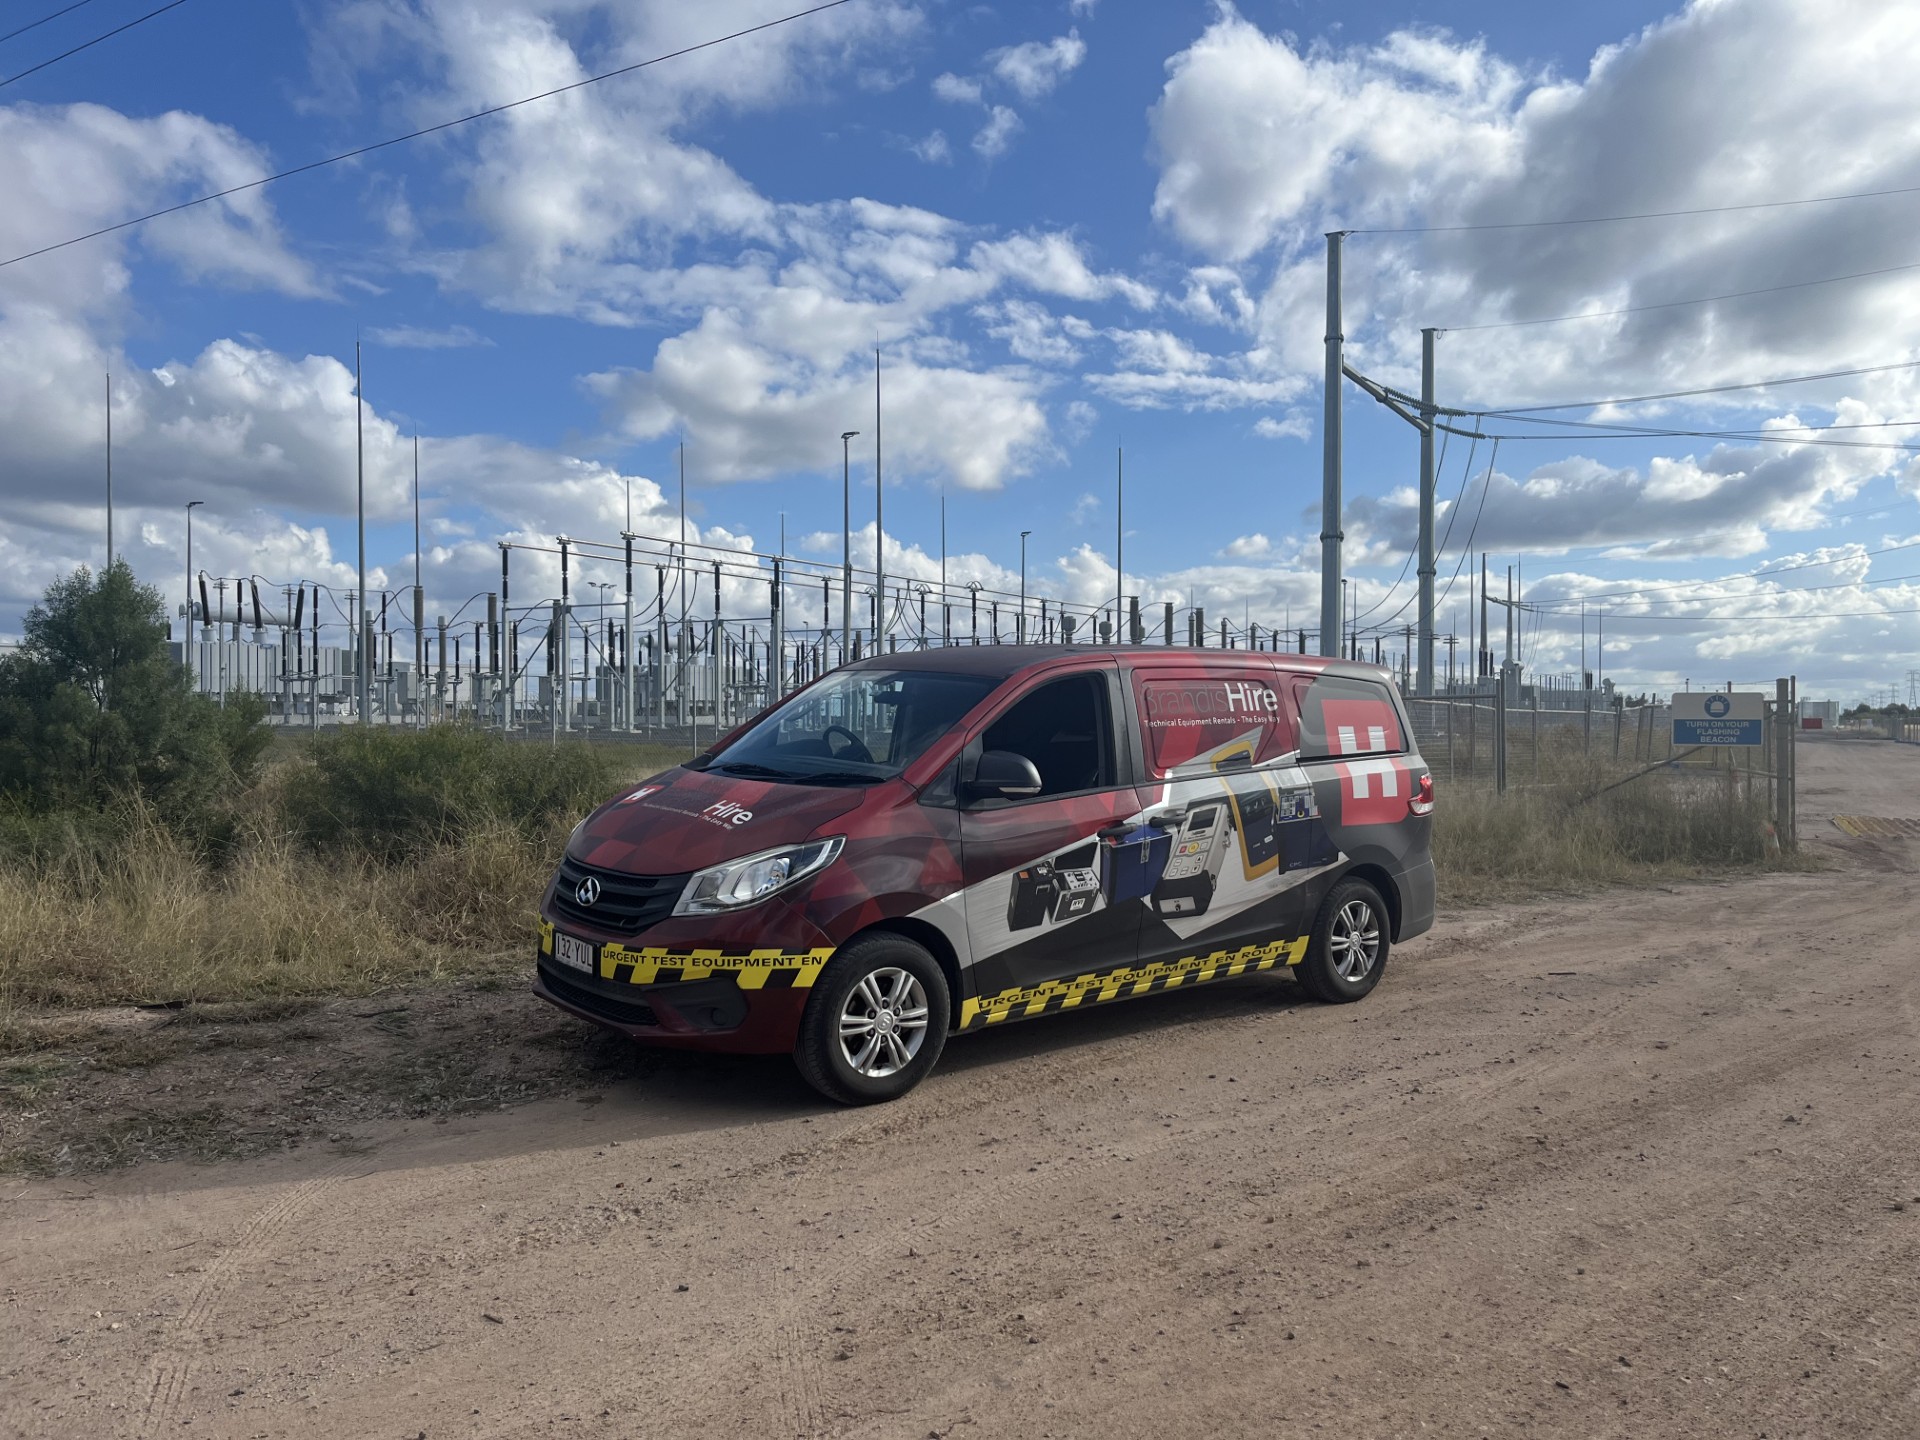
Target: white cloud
pixel 956 90
pixel 1052 262
pixel 1036 67
pixel 1030 331
pixel 1263 144
pixel 1247 547
pixel 414 337
pixel 1294 427
pixel 754 413
pixel 933 148
pixel 994 137
pixel 1080 420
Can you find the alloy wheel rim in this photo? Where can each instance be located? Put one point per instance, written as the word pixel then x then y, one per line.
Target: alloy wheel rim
pixel 883 1022
pixel 1354 941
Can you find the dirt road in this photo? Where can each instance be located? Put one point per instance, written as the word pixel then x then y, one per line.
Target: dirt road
pixel 1641 1165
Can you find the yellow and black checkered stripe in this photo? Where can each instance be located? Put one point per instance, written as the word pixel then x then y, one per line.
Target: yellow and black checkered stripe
pixel 753 970
pixel 1127 981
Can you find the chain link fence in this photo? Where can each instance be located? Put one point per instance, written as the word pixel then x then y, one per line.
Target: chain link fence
pixel 1479 738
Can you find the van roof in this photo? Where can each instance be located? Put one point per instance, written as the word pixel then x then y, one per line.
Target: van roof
pixel 1002 661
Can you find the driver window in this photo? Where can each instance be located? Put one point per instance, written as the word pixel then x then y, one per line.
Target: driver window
pixel 1065 729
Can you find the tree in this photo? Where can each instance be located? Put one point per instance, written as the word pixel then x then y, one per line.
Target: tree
pixel 93 708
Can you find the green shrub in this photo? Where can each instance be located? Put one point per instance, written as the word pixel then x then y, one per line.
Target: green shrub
pixel 388 792
pixel 94 710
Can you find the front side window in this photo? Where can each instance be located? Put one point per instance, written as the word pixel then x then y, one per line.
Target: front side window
pixel 1065 728
pixel 854 726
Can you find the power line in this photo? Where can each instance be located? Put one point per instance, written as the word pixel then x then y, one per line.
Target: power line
pixel 1680 304
pixel 1707 389
pixel 1601 431
pixel 118 29
pixel 1751 574
pixel 1643 215
pixel 417 134
pixel 1554 606
pixel 35 25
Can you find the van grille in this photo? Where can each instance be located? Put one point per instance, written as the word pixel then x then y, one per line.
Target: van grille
pixel 627 905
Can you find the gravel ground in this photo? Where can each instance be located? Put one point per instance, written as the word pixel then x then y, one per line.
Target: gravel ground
pixel 1636 1165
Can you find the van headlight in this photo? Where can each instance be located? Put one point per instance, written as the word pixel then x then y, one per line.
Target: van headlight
pixel 752 878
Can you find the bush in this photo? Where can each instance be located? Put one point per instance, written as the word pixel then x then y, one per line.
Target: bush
pixel 93 710
pixel 389 793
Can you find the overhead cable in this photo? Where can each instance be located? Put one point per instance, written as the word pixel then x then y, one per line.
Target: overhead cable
pixel 36 24
pixel 118 29
pixel 1643 215
pixel 1707 389
pixel 424 131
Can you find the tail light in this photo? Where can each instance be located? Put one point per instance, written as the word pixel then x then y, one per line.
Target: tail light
pixel 1422 802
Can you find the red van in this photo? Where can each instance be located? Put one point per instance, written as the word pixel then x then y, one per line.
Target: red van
pixel 918 845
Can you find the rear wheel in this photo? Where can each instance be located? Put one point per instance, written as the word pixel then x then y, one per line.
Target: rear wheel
pixel 876 1021
pixel 1351 937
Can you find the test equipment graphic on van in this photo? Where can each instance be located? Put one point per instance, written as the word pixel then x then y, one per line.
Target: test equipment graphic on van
pixel 1186 886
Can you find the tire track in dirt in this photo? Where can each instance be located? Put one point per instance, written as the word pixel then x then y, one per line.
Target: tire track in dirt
pixel 170 1369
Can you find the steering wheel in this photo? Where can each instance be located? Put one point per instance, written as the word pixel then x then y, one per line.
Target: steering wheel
pixel 856 748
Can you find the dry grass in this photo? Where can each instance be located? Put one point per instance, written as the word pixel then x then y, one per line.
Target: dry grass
pixel 147 921
pixel 1570 833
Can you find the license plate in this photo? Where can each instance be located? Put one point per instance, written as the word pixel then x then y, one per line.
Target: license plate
pixel 574 953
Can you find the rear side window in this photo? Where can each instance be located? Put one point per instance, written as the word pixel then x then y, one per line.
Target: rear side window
pixel 1342 716
pixel 1199 721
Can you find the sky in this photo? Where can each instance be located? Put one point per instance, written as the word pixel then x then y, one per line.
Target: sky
pixel 1072 228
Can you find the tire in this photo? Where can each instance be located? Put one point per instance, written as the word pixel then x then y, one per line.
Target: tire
pixel 851 1048
pixel 1337 970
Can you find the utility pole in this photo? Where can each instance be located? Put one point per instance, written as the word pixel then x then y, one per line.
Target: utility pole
pixel 1331 534
pixel 846 545
pixel 363 671
pixel 109 469
pixel 626 623
pixel 1509 616
pixel 419 596
pixel 879 521
pixel 1119 537
pixel 1486 636
pixel 1427 560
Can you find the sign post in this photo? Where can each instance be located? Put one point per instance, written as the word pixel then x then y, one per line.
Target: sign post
pixel 1720 717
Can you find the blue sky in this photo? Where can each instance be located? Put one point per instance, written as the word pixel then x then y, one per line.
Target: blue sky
pixel 1070 225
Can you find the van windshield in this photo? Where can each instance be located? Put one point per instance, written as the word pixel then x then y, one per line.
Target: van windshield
pixel 857 727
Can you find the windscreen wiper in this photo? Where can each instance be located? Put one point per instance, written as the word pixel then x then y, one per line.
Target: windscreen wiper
pixel 837 777
pixel 751 769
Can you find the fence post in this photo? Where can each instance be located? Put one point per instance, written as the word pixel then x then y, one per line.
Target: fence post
pixel 1473 736
pixel 1619 719
pixel 1783 723
pixel 1500 739
pixel 1536 737
pixel 1453 772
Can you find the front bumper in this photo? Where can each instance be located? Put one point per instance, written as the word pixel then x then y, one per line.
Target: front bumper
pixel 740 999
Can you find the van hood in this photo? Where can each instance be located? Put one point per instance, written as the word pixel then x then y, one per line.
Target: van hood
pixel 686 820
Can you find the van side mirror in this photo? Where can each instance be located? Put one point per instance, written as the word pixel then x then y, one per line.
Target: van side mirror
pixel 1003 775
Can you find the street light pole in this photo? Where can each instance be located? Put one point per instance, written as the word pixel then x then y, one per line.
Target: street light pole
pixel 846 545
pixel 1022 635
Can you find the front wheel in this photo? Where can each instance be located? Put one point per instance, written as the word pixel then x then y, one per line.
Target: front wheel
pixel 876 1021
pixel 1351 937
